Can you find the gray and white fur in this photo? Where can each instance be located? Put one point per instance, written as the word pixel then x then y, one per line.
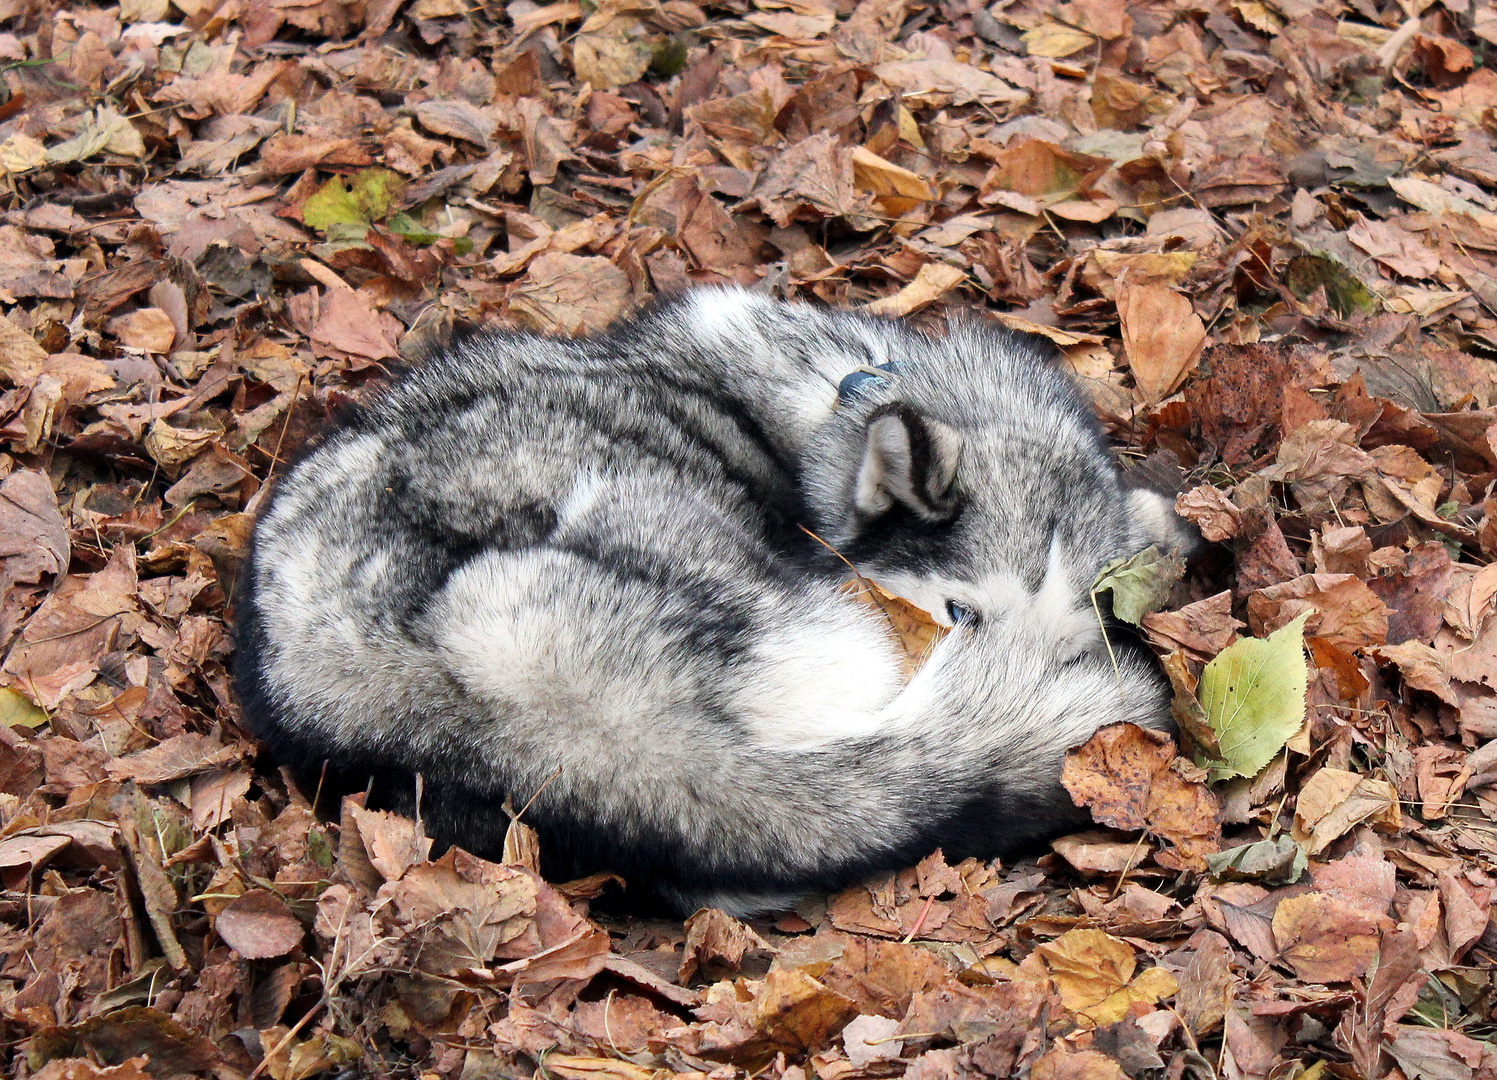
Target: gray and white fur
pixel 574 571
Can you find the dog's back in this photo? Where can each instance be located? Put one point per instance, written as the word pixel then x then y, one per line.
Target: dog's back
pixel 576 568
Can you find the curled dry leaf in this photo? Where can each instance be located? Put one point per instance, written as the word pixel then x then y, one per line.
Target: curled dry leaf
pixel 1185 707
pixel 1332 801
pixel 932 281
pixel 717 942
pixel 917 632
pixel 1200 630
pixel 1123 776
pixel 1209 509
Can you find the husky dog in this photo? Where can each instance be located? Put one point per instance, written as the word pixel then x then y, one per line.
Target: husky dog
pixel 573 574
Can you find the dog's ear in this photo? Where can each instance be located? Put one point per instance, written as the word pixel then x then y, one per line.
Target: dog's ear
pixel 908 459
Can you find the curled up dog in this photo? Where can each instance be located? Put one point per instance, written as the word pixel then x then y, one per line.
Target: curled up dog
pixel 575 571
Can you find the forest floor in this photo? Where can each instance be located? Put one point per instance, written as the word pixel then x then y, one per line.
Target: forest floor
pixel 1262 232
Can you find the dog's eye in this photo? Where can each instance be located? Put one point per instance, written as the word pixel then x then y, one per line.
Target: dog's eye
pixel 960 613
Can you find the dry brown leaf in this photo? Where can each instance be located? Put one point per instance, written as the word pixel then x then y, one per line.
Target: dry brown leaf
pixel 1325 939
pixel 571 1067
pixel 717 943
pixel 1210 510
pixel 149 329
pixel 1094 973
pixel 796 1012
pixel 1320 460
pixel 33 535
pixel 175 759
pixel 1096 852
pixel 393 844
pixel 947 80
pixel 917 632
pixel 1060 1063
pixel 1123 775
pixel 1334 800
pixel 1345 611
pixel 1201 629
pixel 570 294
pixel 1162 338
pixel 259 926
pixel 894 188
pixel 351 324
pixel 933 281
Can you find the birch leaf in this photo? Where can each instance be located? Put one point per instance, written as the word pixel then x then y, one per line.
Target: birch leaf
pixel 1254 697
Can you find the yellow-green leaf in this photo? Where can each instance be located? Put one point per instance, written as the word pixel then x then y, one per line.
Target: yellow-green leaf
pixel 368 198
pixel 17 711
pixel 1253 694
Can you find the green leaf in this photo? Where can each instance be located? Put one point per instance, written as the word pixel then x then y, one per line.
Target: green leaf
pixel 331 204
pixel 320 850
pixel 17 711
pixel 368 198
pixel 669 58
pixel 1277 862
pixel 403 225
pixel 1345 293
pixel 1253 694
pixel 1139 584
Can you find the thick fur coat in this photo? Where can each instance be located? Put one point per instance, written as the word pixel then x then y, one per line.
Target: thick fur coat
pixel 574 572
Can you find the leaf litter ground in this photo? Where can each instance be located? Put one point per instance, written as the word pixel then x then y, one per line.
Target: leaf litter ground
pixel 1263 233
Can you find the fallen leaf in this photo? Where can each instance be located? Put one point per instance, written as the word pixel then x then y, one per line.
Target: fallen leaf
pixel 1201 629
pixel 716 943
pixel 1162 338
pixel 1209 509
pixel 1096 852
pixel 368 198
pixel 1123 775
pixel 33 535
pixel 1325 939
pixel 869 1039
pixel 1337 608
pixel 174 759
pixel 351 324
pixel 1253 694
pixel 1280 861
pixel 1057 40
pixel 149 329
pixel 1334 800
pixel 570 294
pixel 894 188
pixel 1139 584
pixel 932 281
pixel 960 83
pixel 1094 973
pixel 259 926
